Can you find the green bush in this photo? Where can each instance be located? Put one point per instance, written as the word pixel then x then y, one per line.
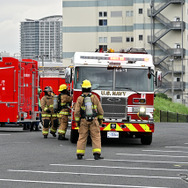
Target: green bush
pixel 164 96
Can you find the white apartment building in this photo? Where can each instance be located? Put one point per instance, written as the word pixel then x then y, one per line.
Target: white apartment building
pixel 159 26
pixel 42 38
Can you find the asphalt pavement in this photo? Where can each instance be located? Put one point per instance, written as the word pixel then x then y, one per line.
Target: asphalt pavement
pixel 27 160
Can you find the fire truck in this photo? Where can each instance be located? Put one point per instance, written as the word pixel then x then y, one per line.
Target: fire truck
pixel 124 84
pixel 18 92
pixel 52 74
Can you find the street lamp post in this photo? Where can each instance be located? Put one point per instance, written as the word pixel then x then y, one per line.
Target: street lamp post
pixel 172 64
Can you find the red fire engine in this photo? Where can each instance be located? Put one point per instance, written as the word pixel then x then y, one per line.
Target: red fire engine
pixel 18 92
pixel 124 83
pixel 52 74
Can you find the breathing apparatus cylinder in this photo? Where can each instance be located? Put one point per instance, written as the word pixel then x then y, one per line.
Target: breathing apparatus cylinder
pixel 88 106
pixel 55 102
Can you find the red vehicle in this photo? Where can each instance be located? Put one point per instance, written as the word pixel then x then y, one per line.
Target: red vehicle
pixel 18 92
pixel 124 83
pixel 54 82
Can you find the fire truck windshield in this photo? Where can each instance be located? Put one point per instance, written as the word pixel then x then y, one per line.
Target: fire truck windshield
pixel 114 79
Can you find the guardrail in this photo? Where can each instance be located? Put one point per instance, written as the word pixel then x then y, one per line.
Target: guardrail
pixel 166 116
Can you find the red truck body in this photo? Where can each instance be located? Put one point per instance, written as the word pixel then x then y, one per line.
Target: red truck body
pixel 54 82
pixel 18 91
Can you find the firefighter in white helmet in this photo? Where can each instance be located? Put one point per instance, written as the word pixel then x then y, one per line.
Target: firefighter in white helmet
pixel 88 116
pixel 48 116
pixel 64 102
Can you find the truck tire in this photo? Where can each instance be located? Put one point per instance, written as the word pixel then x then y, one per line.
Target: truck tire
pixel 74 136
pixel 146 140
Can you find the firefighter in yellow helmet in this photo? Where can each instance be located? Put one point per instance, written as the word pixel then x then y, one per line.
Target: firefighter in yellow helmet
pixel 48 118
pixel 64 102
pixel 88 116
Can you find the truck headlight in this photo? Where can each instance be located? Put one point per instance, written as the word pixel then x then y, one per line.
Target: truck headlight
pixel 142 111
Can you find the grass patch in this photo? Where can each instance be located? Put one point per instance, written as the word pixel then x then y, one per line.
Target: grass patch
pixel 165 104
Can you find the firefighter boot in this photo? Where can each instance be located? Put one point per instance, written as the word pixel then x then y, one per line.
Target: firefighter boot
pixel 79 156
pixel 53 134
pixel 97 156
pixel 46 136
pixel 62 137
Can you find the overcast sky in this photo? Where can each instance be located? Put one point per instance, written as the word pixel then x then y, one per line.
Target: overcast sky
pixel 14 11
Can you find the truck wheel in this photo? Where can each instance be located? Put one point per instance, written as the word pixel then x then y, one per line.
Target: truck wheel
pixel 146 140
pixel 74 136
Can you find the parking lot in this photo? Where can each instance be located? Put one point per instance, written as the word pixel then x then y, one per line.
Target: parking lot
pixel 28 160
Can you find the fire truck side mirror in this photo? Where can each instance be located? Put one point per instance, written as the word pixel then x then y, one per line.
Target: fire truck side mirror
pixel 68 75
pixel 149 73
pixel 158 78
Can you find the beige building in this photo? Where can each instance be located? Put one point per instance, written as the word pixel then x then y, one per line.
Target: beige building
pixel 158 26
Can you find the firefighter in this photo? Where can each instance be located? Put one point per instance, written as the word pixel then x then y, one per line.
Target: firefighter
pixel 49 118
pixel 64 103
pixel 88 116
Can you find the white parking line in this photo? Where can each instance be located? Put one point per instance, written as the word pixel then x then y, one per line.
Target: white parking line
pixel 165 151
pixel 144 155
pixel 122 167
pixel 76 183
pixel 144 161
pixel 183 147
pixel 93 174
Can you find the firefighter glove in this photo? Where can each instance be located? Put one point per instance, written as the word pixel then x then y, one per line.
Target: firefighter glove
pixel 78 123
pixel 100 121
pixel 48 111
pixel 55 110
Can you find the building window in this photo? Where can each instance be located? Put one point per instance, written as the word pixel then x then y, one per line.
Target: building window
pixel 178 96
pixel 102 39
pixel 178 79
pixel 102 22
pixel 102 47
pixel 102 14
pixel 129 39
pixel 129 13
pixel 140 37
pixel 116 39
pixel 140 11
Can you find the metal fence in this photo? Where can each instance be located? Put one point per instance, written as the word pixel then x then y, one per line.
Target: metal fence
pixel 166 116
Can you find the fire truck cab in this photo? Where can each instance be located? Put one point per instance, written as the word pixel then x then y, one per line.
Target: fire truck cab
pixel 124 84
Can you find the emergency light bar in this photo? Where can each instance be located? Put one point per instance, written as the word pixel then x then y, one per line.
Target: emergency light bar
pixel 115 58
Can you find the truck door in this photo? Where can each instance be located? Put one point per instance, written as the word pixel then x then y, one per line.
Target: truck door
pixel 8 94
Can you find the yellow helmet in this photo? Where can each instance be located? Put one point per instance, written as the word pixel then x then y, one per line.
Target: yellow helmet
pixel 62 87
pixel 86 84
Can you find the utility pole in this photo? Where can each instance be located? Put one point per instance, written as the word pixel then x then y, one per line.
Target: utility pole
pixel 42 59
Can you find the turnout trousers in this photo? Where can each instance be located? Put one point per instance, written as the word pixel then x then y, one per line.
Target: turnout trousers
pixel 49 123
pixel 63 120
pixel 94 129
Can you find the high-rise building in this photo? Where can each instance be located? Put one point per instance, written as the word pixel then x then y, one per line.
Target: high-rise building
pixel 158 26
pixel 42 38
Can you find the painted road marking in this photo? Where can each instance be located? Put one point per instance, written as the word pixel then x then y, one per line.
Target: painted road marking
pixel 122 167
pixel 97 174
pixel 143 161
pixel 76 183
pixel 183 147
pixel 164 151
pixel 146 155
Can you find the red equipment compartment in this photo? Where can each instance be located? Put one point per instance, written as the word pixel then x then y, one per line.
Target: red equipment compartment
pixel 54 82
pixel 18 90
